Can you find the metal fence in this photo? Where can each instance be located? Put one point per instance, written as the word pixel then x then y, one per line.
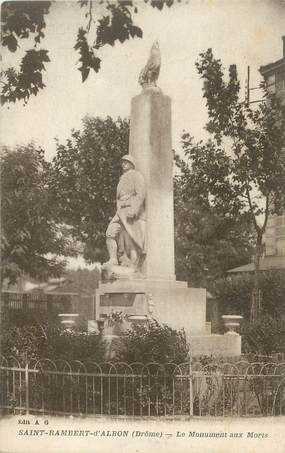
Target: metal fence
pixel 49 305
pixel 120 389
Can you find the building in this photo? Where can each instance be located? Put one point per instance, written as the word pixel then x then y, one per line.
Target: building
pixel 274 75
pixel 274 254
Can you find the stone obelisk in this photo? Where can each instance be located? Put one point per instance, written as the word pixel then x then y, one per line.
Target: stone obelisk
pixel 150 145
pixel 154 293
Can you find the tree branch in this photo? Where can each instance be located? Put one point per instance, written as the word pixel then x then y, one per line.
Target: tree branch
pixel 257 228
pixel 266 214
pixel 90 16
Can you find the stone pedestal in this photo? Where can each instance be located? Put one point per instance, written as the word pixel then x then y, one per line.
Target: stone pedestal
pixel 216 345
pixel 168 302
pixel 171 303
pixel 150 145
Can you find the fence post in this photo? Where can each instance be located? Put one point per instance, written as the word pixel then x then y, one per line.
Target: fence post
pixel 25 304
pixel 49 307
pixel 191 403
pixel 27 386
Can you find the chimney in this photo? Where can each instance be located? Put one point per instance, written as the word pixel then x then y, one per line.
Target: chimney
pixel 283 39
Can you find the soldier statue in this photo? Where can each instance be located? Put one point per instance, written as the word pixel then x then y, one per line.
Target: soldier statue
pixel 125 235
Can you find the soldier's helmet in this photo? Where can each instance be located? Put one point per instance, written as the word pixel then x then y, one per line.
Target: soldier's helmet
pixel 130 159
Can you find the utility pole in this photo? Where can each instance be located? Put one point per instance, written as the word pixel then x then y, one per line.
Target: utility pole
pixel 248 90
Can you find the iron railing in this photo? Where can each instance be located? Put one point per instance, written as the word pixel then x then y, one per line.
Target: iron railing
pixel 33 303
pixel 137 389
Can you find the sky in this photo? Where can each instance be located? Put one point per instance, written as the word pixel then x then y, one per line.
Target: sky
pixel 244 32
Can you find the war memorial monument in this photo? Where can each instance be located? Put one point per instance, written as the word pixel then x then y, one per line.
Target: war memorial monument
pixel 138 280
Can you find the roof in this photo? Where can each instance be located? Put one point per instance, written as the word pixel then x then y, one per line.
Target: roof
pixel 274 66
pixel 266 264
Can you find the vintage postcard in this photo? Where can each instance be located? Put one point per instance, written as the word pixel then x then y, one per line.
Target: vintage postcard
pixel 143 226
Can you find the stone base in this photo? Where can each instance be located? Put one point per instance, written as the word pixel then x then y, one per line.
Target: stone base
pixel 216 345
pixel 169 302
pixel 116 271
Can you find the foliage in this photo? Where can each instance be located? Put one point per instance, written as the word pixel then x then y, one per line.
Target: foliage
pixel 256 136
pixel 249 142
pixel 211 236
pixel 85 174
pixel 28 80
pixel 153 342
pixel 21 342
pixel 76 345
pixel 234 293
pixel 87 58
pixel 104 23
pixel 116 319
pixel 266 336
pixel 82 280
pixel 25 318
pixel 29 227
pixel 20 21
pixel 49 341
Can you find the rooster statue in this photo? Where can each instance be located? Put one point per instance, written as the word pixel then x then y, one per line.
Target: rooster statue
pixel 149 74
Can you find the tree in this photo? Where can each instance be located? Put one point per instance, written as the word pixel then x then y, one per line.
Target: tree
pixel 250 140
pixel 265 336
pixel 83 184
pixel 210 236
pixel 104 22
pixel 234 293
pixel 29 227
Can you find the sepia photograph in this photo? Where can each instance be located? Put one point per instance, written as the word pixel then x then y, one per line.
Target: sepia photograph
pixel 142 226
